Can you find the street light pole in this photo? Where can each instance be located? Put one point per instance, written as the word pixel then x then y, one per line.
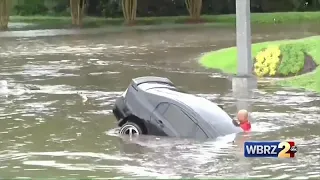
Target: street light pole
pixel 244 37
pixel 244 82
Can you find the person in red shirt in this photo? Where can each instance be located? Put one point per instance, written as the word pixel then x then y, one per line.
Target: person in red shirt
pixel 243 118
pixel 244 123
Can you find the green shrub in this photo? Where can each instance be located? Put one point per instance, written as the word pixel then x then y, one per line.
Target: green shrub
pixel 292 59
pixel 28 9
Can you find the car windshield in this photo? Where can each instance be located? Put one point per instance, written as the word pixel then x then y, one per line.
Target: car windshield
pixel 214 115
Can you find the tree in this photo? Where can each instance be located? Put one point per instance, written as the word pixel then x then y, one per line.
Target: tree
pixel 77 9
pixel 129 10
pixel 4 14
pixel 194 8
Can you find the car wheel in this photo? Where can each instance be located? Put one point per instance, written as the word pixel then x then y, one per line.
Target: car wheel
pixel 130 128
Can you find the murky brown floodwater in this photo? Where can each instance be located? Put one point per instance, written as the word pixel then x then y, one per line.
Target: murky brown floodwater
pixel 51 133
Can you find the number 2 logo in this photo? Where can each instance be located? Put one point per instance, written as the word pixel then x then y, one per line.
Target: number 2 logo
pixel 284 153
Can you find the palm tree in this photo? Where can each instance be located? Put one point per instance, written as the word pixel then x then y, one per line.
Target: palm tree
pixel 129 10
pixel 4 14
pixel 77 9
pixel 194 8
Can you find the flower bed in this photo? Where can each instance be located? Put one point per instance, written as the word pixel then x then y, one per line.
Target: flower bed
pixel 283 61
pixel 287 58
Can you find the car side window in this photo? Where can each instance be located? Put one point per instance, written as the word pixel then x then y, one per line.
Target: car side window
pixel 199 134
pixel 162 107
pixel 182 123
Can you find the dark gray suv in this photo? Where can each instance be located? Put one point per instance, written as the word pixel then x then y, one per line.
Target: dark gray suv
pixel 154 106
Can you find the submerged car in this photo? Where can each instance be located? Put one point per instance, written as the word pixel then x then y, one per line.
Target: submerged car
pixel 155 106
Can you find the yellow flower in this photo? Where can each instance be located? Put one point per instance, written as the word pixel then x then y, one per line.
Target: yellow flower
pixel 277 52
pixel 265 70
pixel 258 64
pixel 273 60
pixel 272 72
pixel 260 57
pixel 273 67
pixel 257 71
pixel 267 61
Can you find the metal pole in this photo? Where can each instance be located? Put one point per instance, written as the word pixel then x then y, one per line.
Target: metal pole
pixel 244 37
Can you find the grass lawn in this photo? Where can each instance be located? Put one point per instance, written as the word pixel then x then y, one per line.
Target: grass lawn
pixel 226 60
pixel 256 18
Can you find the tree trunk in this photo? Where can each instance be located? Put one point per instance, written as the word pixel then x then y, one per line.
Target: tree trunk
pixel 4 14
pixel 77 8
pixel 194 8
pixel 129 10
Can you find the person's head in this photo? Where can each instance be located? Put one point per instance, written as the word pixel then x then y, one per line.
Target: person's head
pixel 243 116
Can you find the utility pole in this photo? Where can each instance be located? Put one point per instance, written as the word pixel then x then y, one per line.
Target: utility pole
pixel 244 37
pixel 244 82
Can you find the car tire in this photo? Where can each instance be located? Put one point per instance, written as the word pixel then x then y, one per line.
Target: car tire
pixel 130 128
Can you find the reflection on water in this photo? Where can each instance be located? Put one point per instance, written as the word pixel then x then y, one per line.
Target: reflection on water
pixel 63 125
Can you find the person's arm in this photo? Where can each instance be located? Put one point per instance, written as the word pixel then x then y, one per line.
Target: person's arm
pixel 235 123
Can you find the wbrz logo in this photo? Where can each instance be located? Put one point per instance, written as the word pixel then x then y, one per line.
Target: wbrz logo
pixel 285 149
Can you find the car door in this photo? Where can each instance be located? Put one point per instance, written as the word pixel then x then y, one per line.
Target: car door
pixel 157 125
pixel 182 123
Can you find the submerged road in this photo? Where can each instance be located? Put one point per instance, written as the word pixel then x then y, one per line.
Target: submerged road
pixel 52 133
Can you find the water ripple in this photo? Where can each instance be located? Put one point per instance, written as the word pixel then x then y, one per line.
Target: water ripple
pixel 58 107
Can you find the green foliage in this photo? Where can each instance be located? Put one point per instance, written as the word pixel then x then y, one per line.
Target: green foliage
pixel 36 7
pixel 41 7
pixel 148 8
pixel 61 8
pixel 292 59
pixel 110 8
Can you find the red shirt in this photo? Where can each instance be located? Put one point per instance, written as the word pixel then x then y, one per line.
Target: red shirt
pixel 246 126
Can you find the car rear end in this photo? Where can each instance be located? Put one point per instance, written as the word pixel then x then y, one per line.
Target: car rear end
pixel 131 98
pixel 120 109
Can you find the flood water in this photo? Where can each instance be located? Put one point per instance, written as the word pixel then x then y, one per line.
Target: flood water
pixel 53 133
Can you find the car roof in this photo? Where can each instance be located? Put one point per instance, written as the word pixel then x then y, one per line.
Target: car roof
pixel 152 85
pixel 207 110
